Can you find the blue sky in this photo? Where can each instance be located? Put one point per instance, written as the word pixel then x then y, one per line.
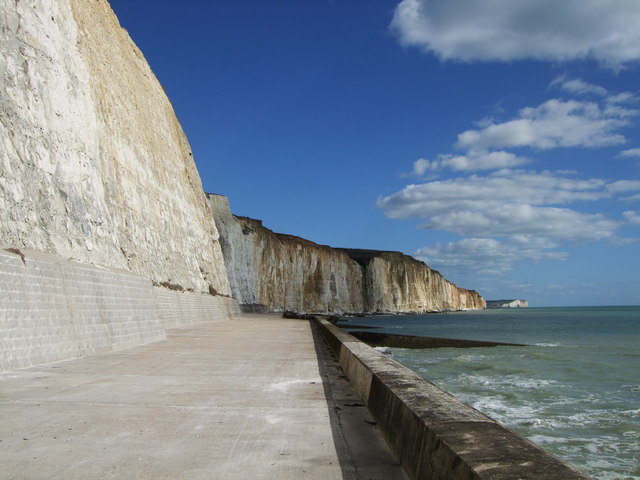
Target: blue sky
pixel 497 141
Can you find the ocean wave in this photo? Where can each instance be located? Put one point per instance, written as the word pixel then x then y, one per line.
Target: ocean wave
pixel 544 440
pixel 575 391
pixel 472 358
pixel 510 381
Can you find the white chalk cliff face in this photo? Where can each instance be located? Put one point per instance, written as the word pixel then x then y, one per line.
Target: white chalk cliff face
pixel 283 272
pixel 395 282
pixel 94 165
pixel 238 248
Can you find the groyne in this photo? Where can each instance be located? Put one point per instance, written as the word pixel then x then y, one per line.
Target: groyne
pixel 433 434
pixel 378 339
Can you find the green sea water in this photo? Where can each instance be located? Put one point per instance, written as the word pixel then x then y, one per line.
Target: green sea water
pixel 575 390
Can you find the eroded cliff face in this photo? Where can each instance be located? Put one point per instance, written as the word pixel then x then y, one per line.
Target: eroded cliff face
pixel 394 282
pixel 238 249
pixel 94 165
pixel 284 272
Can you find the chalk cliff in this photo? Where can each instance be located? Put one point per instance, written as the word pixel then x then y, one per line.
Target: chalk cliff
pixel 518 303
pixel 283 272
pixel 394 282
pixel 94 165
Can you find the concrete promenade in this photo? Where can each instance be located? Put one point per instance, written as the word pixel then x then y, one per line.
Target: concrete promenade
pixel 251 398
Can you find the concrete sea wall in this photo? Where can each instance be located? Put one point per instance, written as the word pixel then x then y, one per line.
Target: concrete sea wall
pixel 433 434
pixel 53 309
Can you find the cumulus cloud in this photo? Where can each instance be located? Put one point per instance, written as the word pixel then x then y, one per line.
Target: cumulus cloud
pixel 504 30
pixel 490 192
pixel 473 161
pixel 632 217
pixel 623 186
pixel 555 123
pixel 631 189
pixel 578 86
pixel 485 255
pixel 509 216
pixel 631 153
pixel 623 97
pixel 561 224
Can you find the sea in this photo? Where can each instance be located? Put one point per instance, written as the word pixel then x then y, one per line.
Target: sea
pixel 575 390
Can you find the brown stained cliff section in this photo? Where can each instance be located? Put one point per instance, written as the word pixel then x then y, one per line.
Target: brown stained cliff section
pixel 395 282
pixel 292 273
pixel 295 274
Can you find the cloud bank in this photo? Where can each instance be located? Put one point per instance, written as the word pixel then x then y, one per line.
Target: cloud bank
pixel 509 215
pixel 485 255
pixel 507 203
pixel 474 160
pixel 504 30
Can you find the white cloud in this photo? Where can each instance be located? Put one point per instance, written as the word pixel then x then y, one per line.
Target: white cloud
pixel 473 161
pixel 490 192
pixel 624 97
pixel 631 153
pixel 632 217
pixel 622 186
pixel 420 166
pixel 504 30
pixel 555 123
pixel 559 224
pixel 509 215
pixel 578 86
pixel 484 255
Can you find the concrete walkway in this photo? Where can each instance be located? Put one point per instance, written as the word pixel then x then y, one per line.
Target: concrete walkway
pixel 256 397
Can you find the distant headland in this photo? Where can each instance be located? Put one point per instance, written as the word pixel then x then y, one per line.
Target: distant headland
pixel 517 303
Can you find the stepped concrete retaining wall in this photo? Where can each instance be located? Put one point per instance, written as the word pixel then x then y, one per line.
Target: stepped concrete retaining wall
pixel 177 309
pixel 433 434
pixel 53 309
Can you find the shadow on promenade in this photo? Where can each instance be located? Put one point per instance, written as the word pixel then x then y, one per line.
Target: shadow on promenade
pixel 362 452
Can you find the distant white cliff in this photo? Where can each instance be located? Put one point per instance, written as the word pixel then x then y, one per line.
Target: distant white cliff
pixel 519 303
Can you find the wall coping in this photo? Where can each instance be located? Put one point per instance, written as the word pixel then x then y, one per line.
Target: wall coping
pixel 432 433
